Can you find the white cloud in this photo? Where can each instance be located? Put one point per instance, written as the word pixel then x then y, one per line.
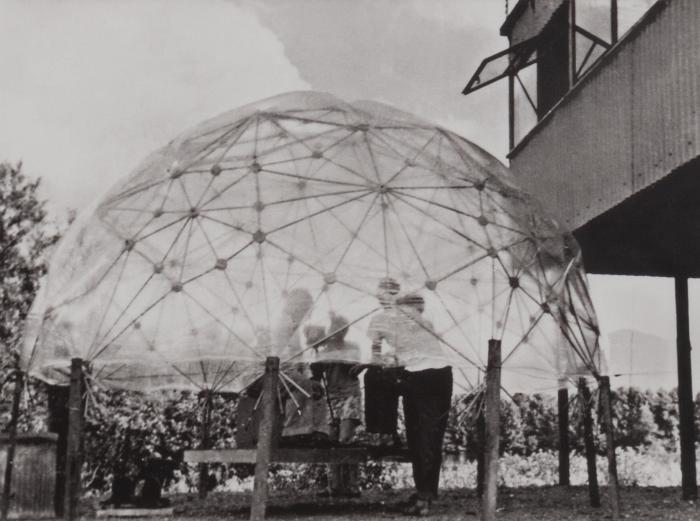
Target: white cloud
pixel 461 13
pixel 92 87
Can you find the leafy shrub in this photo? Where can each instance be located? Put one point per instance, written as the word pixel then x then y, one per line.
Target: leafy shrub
pixel 123 429
pixel 529 423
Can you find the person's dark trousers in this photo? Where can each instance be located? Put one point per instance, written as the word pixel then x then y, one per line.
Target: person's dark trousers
pixel 381 400
pixel 427 400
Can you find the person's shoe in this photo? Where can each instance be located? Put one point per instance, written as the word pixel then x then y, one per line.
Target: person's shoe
pixel 375 440
pixel 420 508
pixel 409 502
pixel 387 441
pixel 348 494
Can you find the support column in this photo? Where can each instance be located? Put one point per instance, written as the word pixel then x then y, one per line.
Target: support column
pixel 686 405
pixel 265 438
pixel 572 44
pixel 511 111
pixel 204 444
pixel 57 398
pixel 563 417
pixel 585 401
pixel 613 485
pixel 613 22
pixel 493 421
pixel 480 450
pixel 74 445
pixel 12 444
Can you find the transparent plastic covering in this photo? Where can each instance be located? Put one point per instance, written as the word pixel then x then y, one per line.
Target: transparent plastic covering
pixel 306 228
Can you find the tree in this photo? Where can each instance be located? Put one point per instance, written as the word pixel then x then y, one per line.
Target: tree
pixel 26 236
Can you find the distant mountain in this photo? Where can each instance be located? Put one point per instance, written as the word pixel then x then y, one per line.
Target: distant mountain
pixel 645 361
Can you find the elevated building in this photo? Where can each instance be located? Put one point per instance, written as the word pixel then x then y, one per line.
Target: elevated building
pixel 604 119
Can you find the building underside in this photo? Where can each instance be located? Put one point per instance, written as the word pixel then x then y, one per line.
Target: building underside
pixel 654 232
pixel 608 139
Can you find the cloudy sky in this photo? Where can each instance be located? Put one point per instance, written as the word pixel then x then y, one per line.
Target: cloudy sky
pixel 89 88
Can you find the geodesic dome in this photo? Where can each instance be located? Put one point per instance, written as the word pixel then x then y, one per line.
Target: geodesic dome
pixel 251 234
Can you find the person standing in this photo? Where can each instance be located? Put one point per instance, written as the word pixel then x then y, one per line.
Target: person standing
pixel 343 390
pixel 381 393
pixel 427 397
pixel 305 418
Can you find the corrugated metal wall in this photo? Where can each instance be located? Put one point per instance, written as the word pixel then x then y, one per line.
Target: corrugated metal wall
pixel 634 119
pixel 34 475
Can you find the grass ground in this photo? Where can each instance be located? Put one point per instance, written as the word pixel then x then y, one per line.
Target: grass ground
pixel 521 504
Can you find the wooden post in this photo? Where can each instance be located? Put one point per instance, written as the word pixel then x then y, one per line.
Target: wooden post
pixel 265 438
pixel 493 420
pixel 74 441
pixel 57 398
pixel 613 485
pixel 585 399
pixel 480 451
pixel 511 110
pixel 204 444
pixel 572 44
pixel 12 444
pixel 613 22
pixel 686 406
pixel 563 417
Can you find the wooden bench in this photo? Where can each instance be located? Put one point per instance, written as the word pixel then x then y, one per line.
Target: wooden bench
pixel 135 512
pixel 266 450
pixel 294 455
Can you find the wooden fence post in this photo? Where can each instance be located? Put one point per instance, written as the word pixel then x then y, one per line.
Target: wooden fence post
pixel 613 486
pixel 12 444
pixel 480 450
pixel 265 438
pixel 686 404
pixel 203 485
pixel 57 420
pixel 74 443
pixel 493 420
pixel 585 400
pixel 563 417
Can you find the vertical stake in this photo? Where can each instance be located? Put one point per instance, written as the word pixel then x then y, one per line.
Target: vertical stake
pixel 204 444
pixel 511 110
pixel 686 406
pixel 57 398
pixel 480 451
pixel 613 485
pixel 265 438
pixel 572 44
pixel 563 417
pixel 12 443
pixel 585 400
pixel 74 441
pixel 493 420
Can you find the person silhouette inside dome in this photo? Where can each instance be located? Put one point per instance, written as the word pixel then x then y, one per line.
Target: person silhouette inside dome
pixel 305 411
pixel 286 335
pixel 304 416
pixel 338 357
pixel 381 392
pixel 426 385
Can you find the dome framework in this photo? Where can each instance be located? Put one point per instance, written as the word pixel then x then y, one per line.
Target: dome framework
pixel 260 234
pixel 192 271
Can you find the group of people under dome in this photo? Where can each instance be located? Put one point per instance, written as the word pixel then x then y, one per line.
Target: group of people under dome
pixel 324 398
